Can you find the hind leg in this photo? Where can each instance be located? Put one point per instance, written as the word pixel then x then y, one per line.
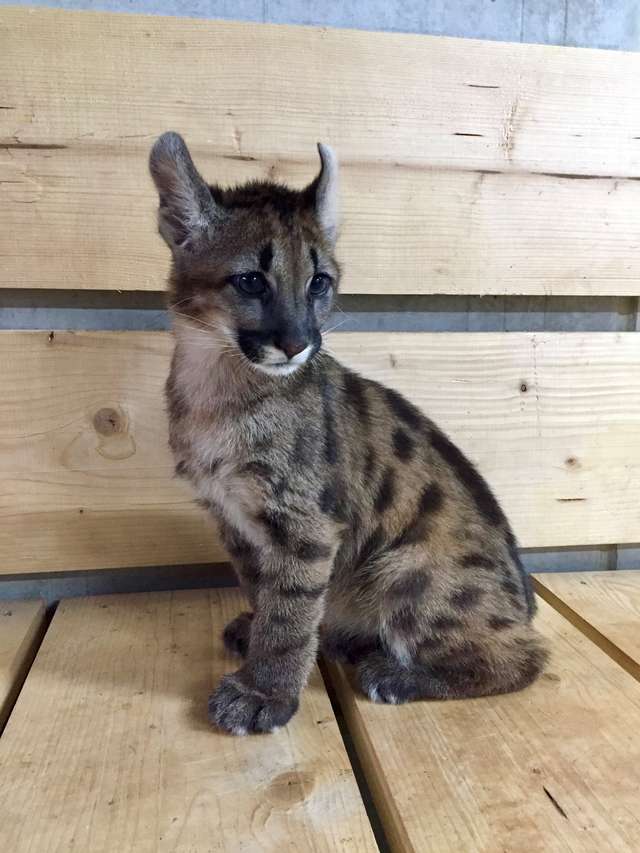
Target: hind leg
pixel 466 670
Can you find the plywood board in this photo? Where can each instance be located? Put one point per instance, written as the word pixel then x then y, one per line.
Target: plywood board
pixel 109 749
pixel 553 768
pixel 21 627
pixel 603 605
pixel 553 421
pixel 468 166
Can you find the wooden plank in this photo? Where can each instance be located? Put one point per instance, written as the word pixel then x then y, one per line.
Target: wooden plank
pixel 553 420
pixel 451 155
pixel 553 768
pixel 603 605
pixel 109 748
pixel 21 627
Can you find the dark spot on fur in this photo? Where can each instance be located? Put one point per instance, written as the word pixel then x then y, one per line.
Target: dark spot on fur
pixel 474 483
pixel 405 410
pixel 332 501
pixel 510 587
pixel 499 623
pixel 428 643
pixel 404 620
pixel 331 450
pixel 181 469
pixel 301 591
pixel 370 548
pixel 259 469
pixel 369 464
pixel 276 524
pixel 474 559
pixel 356 395
pixel 411 585
pixel 176 405
pixel 309 551
pixel 213 466
pixel 279 487
pixel 403 445
pixel 386 491
pixel 430 502
pixel 446 623
pixel 266 256
pixel 466 597
pixel 530 599
pixel 303 446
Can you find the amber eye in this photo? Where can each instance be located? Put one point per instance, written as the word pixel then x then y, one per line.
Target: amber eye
pixel 319 284
pixel 250 283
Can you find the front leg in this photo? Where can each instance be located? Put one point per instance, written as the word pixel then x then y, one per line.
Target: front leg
pixel 263 695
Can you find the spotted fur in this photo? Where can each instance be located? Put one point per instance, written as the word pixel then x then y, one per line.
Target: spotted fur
pixel 351 519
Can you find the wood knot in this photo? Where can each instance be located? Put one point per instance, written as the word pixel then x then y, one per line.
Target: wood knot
pixel 571 462
pixel 524 387
pixel 290 789
pixel 108 421
pixel 112 427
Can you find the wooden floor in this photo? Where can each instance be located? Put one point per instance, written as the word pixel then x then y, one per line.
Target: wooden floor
pixel 108 747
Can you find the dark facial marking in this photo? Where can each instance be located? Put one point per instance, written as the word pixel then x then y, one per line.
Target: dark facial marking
pixel 411 585
pixel 405 410
pixel 403 445
pixel 356 397
pixel 474 483
pixel 266 256
pixel 386 491
pixel 314 259
pixel 466 597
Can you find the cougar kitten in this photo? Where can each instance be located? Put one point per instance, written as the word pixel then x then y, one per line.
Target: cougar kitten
pixel 351 519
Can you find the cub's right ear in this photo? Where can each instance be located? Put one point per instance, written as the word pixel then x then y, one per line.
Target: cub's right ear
pixel 187 211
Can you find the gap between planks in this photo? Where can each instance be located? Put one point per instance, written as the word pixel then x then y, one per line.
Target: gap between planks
pixel 592 633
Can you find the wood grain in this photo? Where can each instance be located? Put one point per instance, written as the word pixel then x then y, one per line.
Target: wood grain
pixel 109 749
pixel 554 768
pixel 86 480
pixel 21 626
pixel 603 605
pixel 468 166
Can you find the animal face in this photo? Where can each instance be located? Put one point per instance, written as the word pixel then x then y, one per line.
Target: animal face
pixel 253 266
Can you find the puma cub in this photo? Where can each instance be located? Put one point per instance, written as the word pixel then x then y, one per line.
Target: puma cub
pixel 353 522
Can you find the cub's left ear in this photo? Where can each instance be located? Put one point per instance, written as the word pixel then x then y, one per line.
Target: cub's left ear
pixel 323 192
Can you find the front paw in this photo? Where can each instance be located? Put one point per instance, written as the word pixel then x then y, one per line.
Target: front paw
pixel 237 633
pixel 239 709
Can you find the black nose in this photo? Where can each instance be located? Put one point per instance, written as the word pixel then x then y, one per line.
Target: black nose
pixel 291 346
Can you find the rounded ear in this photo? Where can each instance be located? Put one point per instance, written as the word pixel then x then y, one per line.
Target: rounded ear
pixel 187 210
pixel 324 190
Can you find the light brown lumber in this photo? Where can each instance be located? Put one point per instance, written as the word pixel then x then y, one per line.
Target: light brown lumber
pixel 468 166
pixel 109 749
pixel 553 768
pixel 86 478
pixel 603 605
pixel 21 626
